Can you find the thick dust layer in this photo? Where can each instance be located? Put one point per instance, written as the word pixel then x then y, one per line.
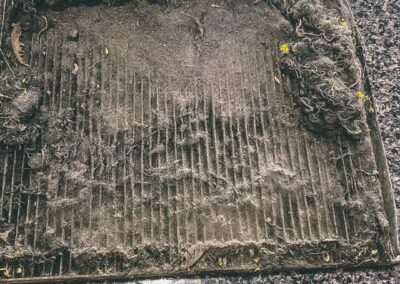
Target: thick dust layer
pixel 162 139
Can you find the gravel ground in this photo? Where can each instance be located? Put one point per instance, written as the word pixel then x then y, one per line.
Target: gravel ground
pixel 379 23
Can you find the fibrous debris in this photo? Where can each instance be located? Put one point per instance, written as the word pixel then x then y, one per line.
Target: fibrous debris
pixel 44 29
pixel 322 55
pixel 17 125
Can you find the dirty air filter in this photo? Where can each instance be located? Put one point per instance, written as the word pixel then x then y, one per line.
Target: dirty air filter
pixel 149 140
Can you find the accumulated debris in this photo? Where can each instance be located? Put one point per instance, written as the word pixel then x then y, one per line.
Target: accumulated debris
pixel 322 55
pixel 17 125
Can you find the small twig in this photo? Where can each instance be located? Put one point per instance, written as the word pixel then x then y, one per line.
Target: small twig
pixel 5 97
pixel 19 88
pixel 44 29
pixel 298 27
pixel 97 62
pixel 196 260
pixel 373 173
pixel 6 61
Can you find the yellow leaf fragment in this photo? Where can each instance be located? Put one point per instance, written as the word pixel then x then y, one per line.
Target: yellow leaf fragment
pixel 6 272
pixel 284 48
pixel 106 51
pixel 342 22
pixel 359 95
pixel 327 257
pixel 222 261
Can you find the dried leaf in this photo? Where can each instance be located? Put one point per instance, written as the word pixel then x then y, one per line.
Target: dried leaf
pixel 16 44
pixel 193 255
pixel 6 272
pixel 19 270
pixel 4 235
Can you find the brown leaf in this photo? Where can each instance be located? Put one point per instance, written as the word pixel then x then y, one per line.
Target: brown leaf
pixel 16 44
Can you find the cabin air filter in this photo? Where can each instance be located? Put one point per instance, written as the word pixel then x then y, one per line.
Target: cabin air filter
pixel 143 140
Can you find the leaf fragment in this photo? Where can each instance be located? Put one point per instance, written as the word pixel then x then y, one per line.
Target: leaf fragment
pixel 284 48
pixel 359 95
pixel 327 257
